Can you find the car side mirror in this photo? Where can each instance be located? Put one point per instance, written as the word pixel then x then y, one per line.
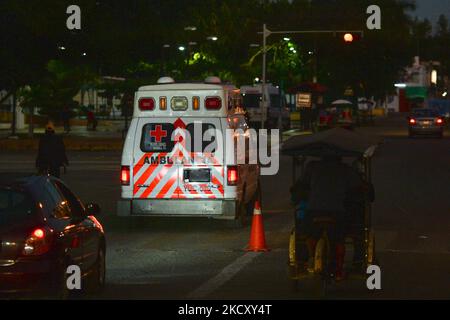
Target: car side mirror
pixel 93 209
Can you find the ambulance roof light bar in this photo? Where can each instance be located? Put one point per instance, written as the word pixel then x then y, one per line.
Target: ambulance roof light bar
pixel 165 80
pixel 213 80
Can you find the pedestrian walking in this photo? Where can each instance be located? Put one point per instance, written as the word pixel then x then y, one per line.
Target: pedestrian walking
pixel 51 153
pixel 91 121
pixel 65 115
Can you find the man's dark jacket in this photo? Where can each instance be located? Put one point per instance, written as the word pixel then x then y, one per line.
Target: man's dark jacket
pixel 52 152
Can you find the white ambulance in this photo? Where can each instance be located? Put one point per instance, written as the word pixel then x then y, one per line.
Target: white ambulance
pixel 168 171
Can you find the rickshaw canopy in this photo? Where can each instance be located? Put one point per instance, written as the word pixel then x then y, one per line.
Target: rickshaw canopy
pixel 337 141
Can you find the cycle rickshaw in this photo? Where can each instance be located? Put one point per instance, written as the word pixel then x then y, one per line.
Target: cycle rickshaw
pixel 350 146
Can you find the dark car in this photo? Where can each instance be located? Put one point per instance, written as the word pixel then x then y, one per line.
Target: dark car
pixel 44 229
pixel 425 121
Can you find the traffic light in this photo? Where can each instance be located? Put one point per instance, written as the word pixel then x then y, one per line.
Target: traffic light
pixel 348 38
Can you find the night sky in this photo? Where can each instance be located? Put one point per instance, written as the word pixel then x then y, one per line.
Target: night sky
pixel 431 9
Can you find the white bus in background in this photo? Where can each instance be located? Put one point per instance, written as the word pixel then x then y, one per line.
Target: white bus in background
pixel 252 100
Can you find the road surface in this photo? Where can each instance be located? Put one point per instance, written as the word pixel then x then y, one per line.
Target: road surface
pixel 197 258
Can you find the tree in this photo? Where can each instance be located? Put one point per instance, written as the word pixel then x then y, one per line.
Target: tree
pixel 442 27
pixel 57 89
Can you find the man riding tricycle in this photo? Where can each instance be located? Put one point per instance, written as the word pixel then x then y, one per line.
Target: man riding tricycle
pixel 332 199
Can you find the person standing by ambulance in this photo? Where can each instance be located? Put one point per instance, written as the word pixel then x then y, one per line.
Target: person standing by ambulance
pixel 51 153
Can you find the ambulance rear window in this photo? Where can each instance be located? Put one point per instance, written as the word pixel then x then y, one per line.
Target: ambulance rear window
pixel 156 137
pixel 204 129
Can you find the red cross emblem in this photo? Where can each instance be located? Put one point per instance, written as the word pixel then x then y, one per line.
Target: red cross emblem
pixel 158 133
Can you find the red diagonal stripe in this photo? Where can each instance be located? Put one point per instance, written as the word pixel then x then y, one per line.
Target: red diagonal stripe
pixel 216 181
pixel 146 175
pixel 155 181
pixel 140 163
pixel 168 185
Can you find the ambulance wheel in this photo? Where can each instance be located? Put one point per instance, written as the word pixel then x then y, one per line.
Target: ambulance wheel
pixel 244 217
pixel 241 220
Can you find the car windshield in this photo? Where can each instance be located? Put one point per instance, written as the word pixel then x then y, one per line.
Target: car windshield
pixel 15 206
pixel 425 113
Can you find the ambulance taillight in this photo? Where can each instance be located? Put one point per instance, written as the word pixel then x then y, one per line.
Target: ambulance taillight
pixel 125 175
pixel 213 103
pixel 196 103
pixel 232 175
pixel 163 103
pixel 146 104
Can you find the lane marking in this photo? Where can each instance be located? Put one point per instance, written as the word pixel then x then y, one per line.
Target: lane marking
pixel 224 276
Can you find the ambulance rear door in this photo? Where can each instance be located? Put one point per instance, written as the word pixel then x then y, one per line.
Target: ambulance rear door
pixel 155 175
pixel 200 158
pixel 168 163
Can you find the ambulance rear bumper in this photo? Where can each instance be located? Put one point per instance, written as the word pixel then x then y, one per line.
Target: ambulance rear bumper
pixel 212 208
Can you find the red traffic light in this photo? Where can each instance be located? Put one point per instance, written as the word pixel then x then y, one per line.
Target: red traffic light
pixel 348 37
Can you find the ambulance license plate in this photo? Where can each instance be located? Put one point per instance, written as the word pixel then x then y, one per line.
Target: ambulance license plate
pixel 197 175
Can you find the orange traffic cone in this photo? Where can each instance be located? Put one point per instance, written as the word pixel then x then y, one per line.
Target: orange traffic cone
pixel 257 238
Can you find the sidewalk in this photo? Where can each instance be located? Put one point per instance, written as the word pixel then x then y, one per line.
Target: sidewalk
pixel 105 138
pixel 111 137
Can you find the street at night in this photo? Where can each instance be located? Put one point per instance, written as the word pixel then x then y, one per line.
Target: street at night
pixel 224 158
pixel 192 258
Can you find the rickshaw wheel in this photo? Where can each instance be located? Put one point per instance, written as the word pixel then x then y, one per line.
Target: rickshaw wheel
pixel 294 285
pixel 371 248
pixel 292 257
pixel 319 256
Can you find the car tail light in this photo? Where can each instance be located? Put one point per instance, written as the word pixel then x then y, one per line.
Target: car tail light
pixel 412 121
pixel 146 104
pixel 125 175
pixel 38 242
pixel 439 121
pixel 213 103
pixel 232 175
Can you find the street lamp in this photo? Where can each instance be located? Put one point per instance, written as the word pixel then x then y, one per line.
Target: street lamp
pixel 212 38
pixel 190 28
pixel 181 48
